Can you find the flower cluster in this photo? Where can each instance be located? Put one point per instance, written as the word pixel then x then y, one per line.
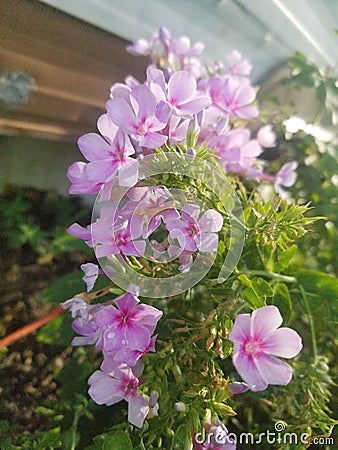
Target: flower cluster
pixel 123 332
pixel 179 99
pixel 178 96
pixel 123 230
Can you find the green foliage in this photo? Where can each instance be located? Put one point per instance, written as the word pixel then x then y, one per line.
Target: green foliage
pixel 38 220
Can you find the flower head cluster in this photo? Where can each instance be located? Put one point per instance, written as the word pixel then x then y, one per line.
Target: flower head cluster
pixel 178 96
pixel 123 330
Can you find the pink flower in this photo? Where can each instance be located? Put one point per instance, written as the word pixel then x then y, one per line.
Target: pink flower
pixel 140 117
pixel 256 339
pixel 193 233
pixel 119 237
pixel 116 382
pixel 237 65
pixel 183 96
pixel 81 184
pixel 232 96
pixel 129 325
pixel 236 151
pixel 286 176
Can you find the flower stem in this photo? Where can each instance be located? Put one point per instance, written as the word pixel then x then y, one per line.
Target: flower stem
pixel 273 275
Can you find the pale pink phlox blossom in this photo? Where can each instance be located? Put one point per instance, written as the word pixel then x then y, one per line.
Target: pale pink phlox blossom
pixel 183 96
pixel 157 46
pixel 107 156
pixel 119 237
pixel 129 325
pixel 132 356
pixel 235 149
pixel 237 65
pixel 141 117
pixel 193 233
pixel 81 184
pixel 116 382
pixel 266 137
pixel 153 204
pixel 257 341
pixel 181 92
pixel 232 95
pixel 286 177
pixel 181 52
pixel 84 323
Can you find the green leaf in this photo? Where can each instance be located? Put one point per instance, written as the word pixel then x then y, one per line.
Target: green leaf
pixel 180 436
pixel 321 287
pixel 285 257
pixel 63 288
pixel 256 292
pixel 58 332
pixel 51 438
pixel 117 441
pixel 262 287
pixel 252 299
pixel 281 299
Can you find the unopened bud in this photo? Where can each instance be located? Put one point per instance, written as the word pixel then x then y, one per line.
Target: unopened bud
pixel 180 406
pixel 191 152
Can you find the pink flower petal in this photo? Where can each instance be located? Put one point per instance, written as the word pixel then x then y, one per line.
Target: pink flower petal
pixel 107 127
pixel 122 115
pixel 153 140
pixel 264 320
pixel 283 342
pixel 181 87
pixel 274 371
pixel 143 101
pixel 248 370
pixel 208 242
pixel 137 410
pixel 128 173
pixel 104 389
pixel 93 147
pixel 211 221
pixel 241 329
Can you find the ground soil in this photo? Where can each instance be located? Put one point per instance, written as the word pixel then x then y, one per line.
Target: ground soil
pixel 27 367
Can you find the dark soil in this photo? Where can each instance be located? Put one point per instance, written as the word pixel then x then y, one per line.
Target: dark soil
pixel 27 366
pixel 26 377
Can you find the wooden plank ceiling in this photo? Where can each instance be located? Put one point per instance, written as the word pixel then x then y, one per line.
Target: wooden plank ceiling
pixel 73 64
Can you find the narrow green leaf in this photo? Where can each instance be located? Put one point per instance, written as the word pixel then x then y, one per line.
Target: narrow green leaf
pixel 262 287
pixel 252 299
pixel 281 298
pixel 285 257
pixel 117 441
